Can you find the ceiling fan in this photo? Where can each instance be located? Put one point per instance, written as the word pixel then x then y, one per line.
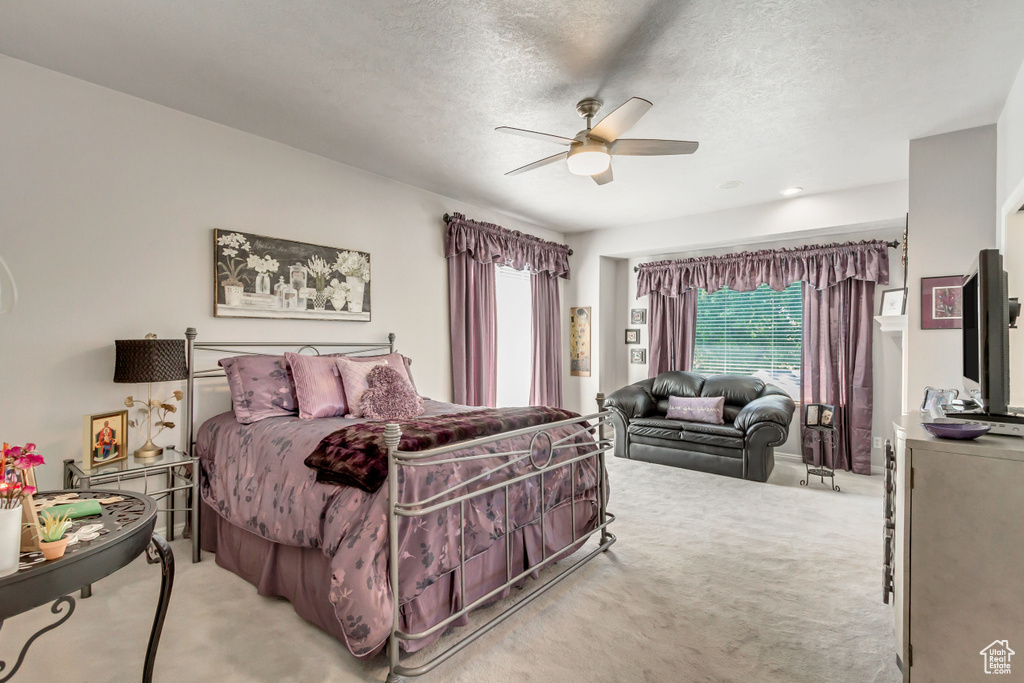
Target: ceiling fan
pixel 590 152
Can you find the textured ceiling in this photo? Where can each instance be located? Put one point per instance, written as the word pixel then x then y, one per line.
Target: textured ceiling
pixel 823 94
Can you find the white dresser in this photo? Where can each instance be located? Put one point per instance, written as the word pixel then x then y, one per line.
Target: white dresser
pixel 954 542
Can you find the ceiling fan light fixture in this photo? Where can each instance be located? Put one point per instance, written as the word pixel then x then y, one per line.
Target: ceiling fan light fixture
pixel 588 158
pixel 790 191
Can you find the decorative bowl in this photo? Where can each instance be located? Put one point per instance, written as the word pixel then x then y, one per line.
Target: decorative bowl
pixel 955 430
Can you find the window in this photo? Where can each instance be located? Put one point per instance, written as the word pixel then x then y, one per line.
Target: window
pixel 751 333
pixel 514 303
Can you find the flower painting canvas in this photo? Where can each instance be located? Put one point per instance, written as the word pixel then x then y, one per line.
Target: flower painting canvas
pixel 579 341
pixel 267 277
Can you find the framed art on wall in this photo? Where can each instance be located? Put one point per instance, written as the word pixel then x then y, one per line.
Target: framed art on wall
pixel 942 304
pixel 579 341
pixel 633 335
pixel 105 439
pixel 267 277
pixel 638 316
pixel 894 302
pixel 638 356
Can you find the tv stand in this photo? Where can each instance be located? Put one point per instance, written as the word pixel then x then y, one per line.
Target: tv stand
pixel 1006 425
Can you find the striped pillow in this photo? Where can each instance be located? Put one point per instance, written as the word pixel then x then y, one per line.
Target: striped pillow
pixel 317 386
pixel 354 379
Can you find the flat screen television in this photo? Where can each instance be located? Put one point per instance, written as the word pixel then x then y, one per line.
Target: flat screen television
pixel 987 315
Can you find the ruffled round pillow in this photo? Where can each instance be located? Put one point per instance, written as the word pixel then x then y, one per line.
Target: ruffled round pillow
pixel 389 396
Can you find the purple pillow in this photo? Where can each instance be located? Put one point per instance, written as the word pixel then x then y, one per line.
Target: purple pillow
pixel 696 409
pixel 260 387
pixel 317 385
pixel 389 396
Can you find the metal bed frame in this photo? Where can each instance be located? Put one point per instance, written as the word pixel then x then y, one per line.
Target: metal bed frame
pixel 538 460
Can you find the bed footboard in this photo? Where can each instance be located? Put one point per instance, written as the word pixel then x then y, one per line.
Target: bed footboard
pixel 539 460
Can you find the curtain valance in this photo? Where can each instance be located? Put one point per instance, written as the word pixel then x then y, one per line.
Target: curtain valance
pixel 489 243
pixel 819 266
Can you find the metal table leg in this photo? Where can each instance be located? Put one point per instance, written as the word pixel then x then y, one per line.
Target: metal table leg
pixel 55 608
pixel 158 551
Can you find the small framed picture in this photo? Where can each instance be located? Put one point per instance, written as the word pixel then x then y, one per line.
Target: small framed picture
pixel 105 439
pixel 894 302
pixel 819 415
pixel 638 316
pixel 638 356
pixel 811 415
pixel 29 518
pixel 938 398
pixel 942 303
pixel 633 335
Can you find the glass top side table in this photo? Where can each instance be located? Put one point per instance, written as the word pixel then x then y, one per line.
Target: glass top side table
pixel 173 471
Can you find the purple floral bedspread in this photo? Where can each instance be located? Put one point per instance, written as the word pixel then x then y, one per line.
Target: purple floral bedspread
pixel 257 480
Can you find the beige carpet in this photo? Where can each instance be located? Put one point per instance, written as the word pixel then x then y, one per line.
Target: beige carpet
pixel 712 579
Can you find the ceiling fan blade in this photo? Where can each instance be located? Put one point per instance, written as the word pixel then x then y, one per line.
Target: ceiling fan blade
pixel 534 135
pixel 651 148
pixel 603 177
pixel 620 120
pixel 537 164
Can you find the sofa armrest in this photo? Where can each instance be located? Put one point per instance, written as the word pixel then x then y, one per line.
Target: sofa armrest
pixel 631 402
pixel 776 408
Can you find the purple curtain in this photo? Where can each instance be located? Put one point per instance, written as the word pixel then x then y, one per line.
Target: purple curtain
pixel 820 266
pixel 546 382
pixel 837 370
pixel 489 243
pixel 672 327
pixel 474 330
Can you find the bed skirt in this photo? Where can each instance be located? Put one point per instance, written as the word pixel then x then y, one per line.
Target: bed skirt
pixel 303 575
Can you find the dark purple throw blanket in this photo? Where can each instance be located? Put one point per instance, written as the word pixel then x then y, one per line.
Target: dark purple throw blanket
pixel 357 456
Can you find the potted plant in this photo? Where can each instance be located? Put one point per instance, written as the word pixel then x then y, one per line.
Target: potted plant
pixel 231 269
pixel 53 538
pixel 14 462
pixel 356 269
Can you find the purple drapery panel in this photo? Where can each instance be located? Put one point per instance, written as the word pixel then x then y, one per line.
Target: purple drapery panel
pixel 474 326
pixel 472 249
pixel 819 266
pixel 839 291
pixel 546 381
pixel 672 328
pixel 837 367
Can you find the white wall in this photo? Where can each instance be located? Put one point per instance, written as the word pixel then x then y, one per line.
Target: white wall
pixel 809 216
pixel 952 217
pixel 1010 151
pixel 107 205
pixel 1013 262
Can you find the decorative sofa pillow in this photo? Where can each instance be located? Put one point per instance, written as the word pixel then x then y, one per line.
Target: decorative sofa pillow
pixel 696 409
pixel 260 387
pixel 317 385
pixel 353 377
pixel 389 396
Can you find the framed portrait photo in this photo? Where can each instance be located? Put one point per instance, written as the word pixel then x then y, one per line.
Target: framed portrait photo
pixel 638 356
pixel 894 302
pixel 633 335
pixel 942 303
pixel 105 439
pixel 638 316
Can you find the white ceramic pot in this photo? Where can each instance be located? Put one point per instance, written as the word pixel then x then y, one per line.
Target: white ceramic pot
pixel 10 540
pixel 355 297
pixel 232 295
pixel 338 300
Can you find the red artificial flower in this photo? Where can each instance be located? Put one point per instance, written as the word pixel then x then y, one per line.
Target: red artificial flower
pixel 28 461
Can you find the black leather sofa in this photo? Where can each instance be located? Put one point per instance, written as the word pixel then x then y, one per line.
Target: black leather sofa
pixel 757 418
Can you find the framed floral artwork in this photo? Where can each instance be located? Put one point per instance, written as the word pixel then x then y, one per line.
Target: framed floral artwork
pixel 638 316
pixel 633 335
pixel 942 303
pixel 638 356
pixel 579 341
pixel 268 277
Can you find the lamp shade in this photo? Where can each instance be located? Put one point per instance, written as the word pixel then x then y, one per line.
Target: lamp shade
pixel 140 361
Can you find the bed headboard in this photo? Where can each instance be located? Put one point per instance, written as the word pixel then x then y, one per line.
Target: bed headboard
pixel 216 350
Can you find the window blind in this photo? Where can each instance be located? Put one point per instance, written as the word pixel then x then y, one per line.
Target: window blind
pixel 751 333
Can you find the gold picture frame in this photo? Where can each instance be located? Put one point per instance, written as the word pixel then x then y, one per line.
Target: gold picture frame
pixel 29 519
pixel 102 441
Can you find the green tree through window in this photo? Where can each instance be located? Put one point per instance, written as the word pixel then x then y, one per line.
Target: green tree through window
pixel 751 333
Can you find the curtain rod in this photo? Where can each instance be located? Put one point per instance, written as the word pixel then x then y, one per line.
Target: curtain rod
pixel 892 244
pixel 448 219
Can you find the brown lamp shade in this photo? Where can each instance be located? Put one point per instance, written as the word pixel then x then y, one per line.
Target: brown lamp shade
pixel 140 361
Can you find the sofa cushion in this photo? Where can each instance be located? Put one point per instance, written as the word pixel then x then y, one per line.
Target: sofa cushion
pixel 677 383
pixel 738 390
pixel 655 427
pixel 726 436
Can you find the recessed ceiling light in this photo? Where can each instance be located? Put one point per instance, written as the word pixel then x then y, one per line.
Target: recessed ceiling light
pixel 790 191
pixel 730 185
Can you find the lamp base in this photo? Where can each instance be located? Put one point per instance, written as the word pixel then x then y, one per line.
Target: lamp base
pixel 148 451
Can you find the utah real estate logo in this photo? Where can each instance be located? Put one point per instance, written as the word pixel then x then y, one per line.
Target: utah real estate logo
pixel 997 657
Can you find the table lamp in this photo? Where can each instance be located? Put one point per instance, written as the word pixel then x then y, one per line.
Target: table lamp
pixel 144 361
